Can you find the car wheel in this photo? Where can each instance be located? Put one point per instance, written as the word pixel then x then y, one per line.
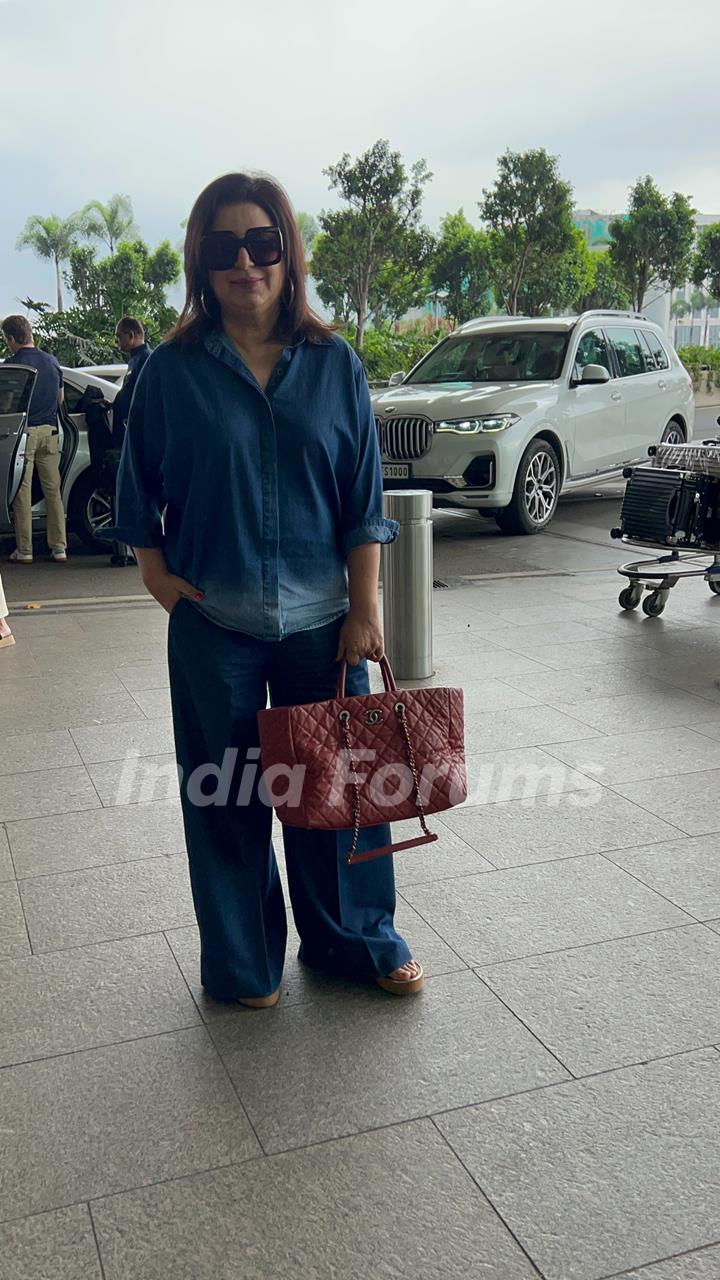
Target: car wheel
pixel 536 492
pixel 89 511
pixel 673 433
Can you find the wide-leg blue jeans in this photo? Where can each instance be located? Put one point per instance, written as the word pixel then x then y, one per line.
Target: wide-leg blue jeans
pixel 344 914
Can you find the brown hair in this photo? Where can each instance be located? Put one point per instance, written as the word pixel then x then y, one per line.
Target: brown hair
pixel 17 328
pixel 130 326
pixel 201 311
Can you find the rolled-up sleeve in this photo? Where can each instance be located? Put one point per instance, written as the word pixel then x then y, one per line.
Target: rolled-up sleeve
pixel 363 519
pixel 140 478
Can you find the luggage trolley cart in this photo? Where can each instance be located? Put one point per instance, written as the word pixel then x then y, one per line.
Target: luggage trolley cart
pixel 658 576
pixel 672 505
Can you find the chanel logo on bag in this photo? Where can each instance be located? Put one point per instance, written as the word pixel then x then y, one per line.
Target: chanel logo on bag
pixel 374 716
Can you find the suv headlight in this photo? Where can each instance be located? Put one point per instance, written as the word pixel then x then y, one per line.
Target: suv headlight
pixel 470 426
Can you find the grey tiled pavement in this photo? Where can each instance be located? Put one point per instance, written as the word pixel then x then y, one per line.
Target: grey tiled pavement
pixel 549 1107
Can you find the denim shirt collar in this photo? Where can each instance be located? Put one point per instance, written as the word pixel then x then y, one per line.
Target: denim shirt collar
pixel 219 345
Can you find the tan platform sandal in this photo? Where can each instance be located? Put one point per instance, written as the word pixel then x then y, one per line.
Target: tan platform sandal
pixel 404 986
pixel 261 1002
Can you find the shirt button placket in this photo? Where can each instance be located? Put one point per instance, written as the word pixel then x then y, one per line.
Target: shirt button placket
pixel 268 454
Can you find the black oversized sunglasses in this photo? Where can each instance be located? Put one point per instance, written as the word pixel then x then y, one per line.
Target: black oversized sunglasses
pixel 220 248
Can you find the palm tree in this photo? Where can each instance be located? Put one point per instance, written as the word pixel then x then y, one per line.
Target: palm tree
pixel 698 302
pixel 109 222
pixel 678 310
pixel 51 238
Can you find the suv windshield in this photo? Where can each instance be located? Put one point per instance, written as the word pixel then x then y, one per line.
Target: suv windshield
pixel 495 357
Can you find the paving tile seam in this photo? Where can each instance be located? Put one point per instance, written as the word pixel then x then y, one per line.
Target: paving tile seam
pixel 263 1157
pixel 103 1044
pixel 218 1054
pixel 656 1262
pixel 93 1228
pixel 488 1199
pixel 544 862
pixel 620 697
pixel 518 1018
pixel 65 813
pixel 129 1190
pixel 120 937
pixel 96 866
pixel 432 929
pixel 697 728
pixel 692 923
pixel 44 1213
pixel 690 835
pixel 13 868
pixel 670 682
pixel 45 768
pixel 651 887
pixel 576 1080
pixel 529 802
pixel 22 909
pixel 551 747
pixel 583 946
pixel 576 768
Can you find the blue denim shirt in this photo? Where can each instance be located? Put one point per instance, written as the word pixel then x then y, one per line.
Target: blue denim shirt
pixel 264 493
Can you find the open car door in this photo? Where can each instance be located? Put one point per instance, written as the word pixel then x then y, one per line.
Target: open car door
pixel 16 384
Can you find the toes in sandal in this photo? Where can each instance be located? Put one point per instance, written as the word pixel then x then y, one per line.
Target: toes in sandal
pixel 404 986
pixel 7 641
pixel 261 1002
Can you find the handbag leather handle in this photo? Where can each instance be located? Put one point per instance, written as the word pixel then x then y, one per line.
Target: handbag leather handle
pixel 387 675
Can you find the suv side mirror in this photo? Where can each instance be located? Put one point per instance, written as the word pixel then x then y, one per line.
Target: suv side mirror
pixel 395 379
pixel 592 374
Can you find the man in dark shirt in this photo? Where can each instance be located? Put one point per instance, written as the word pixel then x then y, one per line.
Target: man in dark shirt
pixel 130 337
pixel 42 451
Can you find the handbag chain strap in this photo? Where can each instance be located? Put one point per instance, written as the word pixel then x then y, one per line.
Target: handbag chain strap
pixel 344 718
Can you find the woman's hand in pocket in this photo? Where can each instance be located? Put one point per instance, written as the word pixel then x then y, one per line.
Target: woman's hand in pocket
pixel 168 589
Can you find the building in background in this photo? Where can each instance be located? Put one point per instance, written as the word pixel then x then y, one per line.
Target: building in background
pixel 686 315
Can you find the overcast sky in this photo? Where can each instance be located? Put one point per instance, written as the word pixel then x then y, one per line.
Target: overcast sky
pixel 156 97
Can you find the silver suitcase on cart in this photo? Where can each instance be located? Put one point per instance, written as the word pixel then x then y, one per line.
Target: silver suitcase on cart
pixel 703 459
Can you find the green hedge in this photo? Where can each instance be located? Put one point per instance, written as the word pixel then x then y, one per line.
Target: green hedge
pixel 702 363
pixel 385 352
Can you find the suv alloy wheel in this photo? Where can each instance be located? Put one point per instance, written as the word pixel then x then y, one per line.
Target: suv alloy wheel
pixel 536 491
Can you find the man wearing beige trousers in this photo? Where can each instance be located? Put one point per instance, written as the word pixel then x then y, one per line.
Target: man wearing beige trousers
pixel 6 636
pixel 42 452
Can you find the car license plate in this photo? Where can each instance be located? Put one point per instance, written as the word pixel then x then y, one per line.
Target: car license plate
pixel 395 471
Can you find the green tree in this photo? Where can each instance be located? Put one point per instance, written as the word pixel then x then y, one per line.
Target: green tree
pixel 109 223
pixel 52 238
pixel 403 281
pixel 529 216
pixel 370 250
pixel 652 245
pixel 554 281
pixel 460 267
pixel 606 291
pixel 706 261
pixel 308 231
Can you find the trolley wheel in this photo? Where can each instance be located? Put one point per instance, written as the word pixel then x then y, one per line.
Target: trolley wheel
pixel 630 597
pixel 714 585
pixel 654 604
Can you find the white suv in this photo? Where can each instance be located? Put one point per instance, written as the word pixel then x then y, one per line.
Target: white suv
pixel 507 413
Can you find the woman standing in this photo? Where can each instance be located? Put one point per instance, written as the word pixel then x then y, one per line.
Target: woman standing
pixel 252 426
pixel 6 636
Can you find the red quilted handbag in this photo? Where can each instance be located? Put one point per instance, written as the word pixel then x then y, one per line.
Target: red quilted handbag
pixel 352 762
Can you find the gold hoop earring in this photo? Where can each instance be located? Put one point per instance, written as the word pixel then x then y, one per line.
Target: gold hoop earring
pixel 289 292
pixel 204 306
